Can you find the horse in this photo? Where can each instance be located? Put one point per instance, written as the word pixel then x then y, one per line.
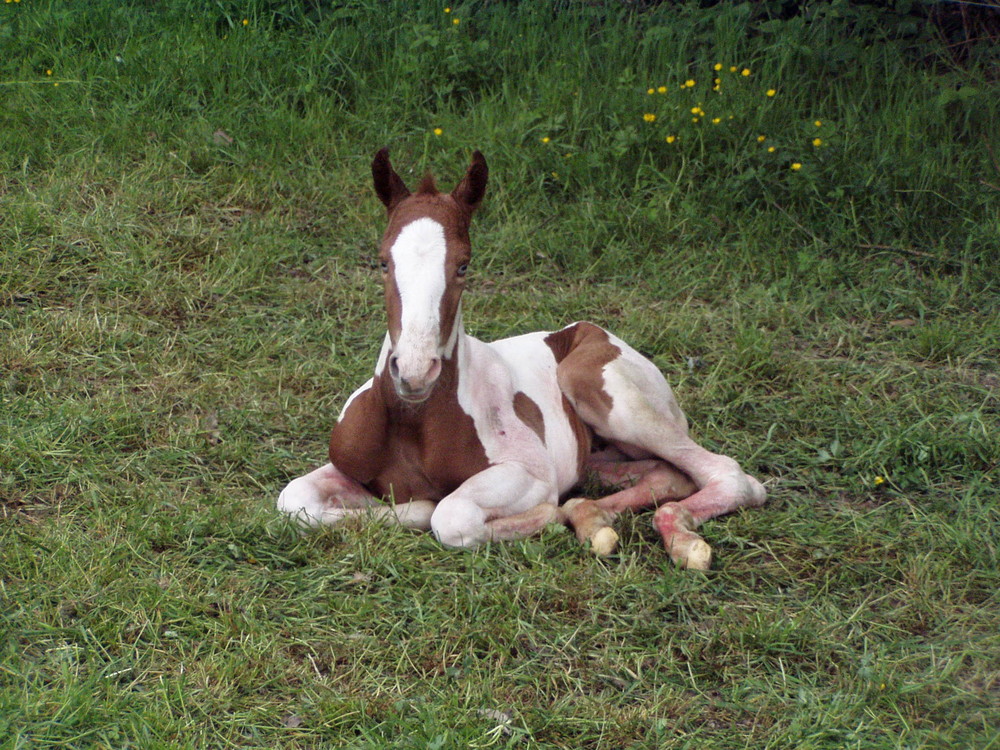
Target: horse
pixel 477 441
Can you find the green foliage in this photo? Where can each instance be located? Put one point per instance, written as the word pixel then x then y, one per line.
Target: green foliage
pixel 186 299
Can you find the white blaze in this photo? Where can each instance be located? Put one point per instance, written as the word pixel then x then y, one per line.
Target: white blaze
pixel 418 256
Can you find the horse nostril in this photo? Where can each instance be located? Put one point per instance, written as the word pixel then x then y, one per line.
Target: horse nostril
pixel 394 366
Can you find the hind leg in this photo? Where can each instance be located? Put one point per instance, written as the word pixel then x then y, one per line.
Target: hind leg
pixel 628 402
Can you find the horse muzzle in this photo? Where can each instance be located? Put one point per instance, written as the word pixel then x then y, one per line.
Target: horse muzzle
pixel 414 381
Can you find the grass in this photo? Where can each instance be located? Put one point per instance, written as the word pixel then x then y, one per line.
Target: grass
pixel 187 296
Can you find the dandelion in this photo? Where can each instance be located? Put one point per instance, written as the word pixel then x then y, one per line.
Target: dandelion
pixel 796 167
pixel 447 10
pixel 671 138
pixel 732 68
pixel 770 149
pixel 878 481
pixel 697 111
pixel 818 123
pixel 761 138
pixel 745 72
pixel 649 117
pixel 817 142
pixel 546 139
pixel 771 92
pixel 438 131
pixel 689 83
pixel 456 21
pixel 48 72
pixel 246 21
pixel 717 67
pixel 662 90
pixel 694 119
pixel 651 91
pixel 716 120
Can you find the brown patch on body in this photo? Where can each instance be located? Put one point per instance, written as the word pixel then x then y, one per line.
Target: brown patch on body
pixel 581 351
pixel 408 452
pixel 529 413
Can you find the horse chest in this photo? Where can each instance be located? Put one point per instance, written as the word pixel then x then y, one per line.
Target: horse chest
pixel 427 461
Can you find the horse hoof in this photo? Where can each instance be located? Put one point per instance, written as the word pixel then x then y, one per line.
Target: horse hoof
pixel 604 541
pixel 693 554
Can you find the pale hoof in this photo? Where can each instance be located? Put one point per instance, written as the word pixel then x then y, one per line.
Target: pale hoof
pixel 592 525
pixel 604 542
pixel 692 554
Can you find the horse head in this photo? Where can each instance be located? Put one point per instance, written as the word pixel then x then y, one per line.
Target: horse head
pixel 424 256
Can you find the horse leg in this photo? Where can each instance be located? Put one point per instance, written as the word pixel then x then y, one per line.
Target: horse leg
pixel 640 484
pixel 503 502
pixel 628 402
pixel 328 496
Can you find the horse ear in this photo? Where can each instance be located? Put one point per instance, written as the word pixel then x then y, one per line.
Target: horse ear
pixel 390 186
pixel 470 191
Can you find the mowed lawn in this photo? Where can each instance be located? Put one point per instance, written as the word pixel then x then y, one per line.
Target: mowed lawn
pixel 797 218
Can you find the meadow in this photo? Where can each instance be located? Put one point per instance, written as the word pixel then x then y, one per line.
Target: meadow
pixel 796 217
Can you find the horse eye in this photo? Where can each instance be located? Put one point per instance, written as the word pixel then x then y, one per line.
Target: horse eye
pixel 463 269
pixel 384 265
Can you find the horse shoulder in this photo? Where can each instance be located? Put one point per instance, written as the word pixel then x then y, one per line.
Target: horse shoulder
pixel 358 438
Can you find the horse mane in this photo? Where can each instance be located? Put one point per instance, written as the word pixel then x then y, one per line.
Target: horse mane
pixel 427 185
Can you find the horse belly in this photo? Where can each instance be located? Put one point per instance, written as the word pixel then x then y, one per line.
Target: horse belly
pixel 533 369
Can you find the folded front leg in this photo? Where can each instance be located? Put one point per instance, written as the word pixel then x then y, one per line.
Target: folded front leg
pixel 502 502
pixel 327 496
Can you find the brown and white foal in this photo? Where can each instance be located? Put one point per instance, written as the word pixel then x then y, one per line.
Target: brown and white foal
pixel 479 441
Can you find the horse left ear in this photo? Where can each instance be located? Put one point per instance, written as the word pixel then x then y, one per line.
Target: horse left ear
pixel 390 186
pixel 470 191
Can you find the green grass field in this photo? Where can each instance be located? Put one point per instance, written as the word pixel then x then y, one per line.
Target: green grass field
pixel 188 294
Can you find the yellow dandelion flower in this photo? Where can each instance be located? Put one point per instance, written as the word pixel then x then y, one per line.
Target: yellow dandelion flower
pixel 447 10
pixel 456 21
pixel 796 166
pixel 671 138
pixel 732 68
pixel 57 82
pixel 546 139
pixel 662 90
pixel 818 123
pixel 817 142
pixel 771 92
pixel 745 72
pixel 879 480
pixel 716 87
pixel 717 66
pixel 48 72
pixel 694 119
pixel 761 138
pixel 651 91
pixel 689 83
pixel 438 131
pixel 649 117
pixel 716 120
pixel 770 149
pixel 246 21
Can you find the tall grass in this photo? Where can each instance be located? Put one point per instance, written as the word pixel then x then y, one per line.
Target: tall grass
pixel 186 298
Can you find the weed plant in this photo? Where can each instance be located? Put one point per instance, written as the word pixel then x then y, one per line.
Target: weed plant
pixel 808 250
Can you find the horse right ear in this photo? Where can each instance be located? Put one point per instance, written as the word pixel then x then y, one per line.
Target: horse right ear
pixel 390 186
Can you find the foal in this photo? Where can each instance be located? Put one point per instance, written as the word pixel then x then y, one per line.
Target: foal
pixel 477 441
